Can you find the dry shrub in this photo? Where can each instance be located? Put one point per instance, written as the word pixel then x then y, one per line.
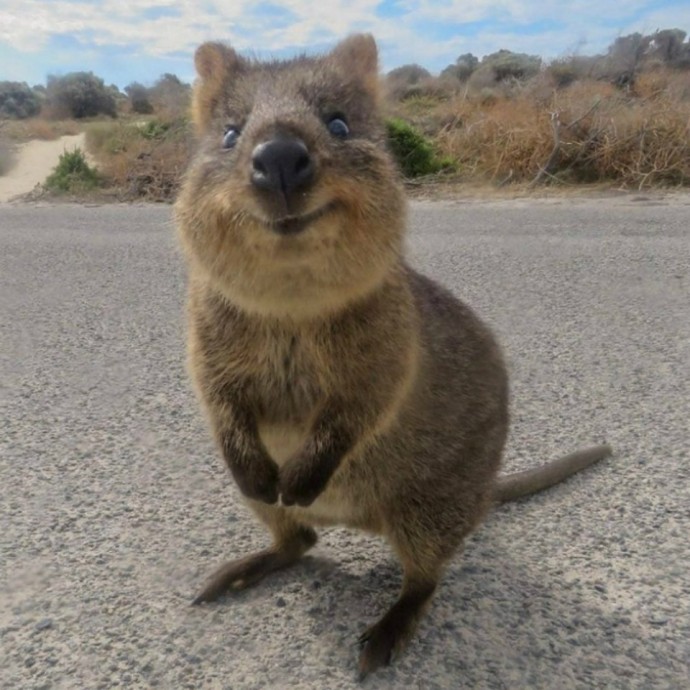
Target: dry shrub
pixel 644 145
pixel 39 128
pixel 396 89
pixel 435 88
pixel 398 82
pixel 495 139
pixel 587 132
pixel 144 159
pixel 424 101
pixel 664 83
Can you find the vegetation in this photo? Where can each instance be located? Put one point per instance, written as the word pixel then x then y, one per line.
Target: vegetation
pixel 462 68
pixel 413 151
pixel 506 66
pixel 406 81
pixel 20 131
pixel 587 132
pixel 73 174
pixel 79 95
pixel 620 118
pixel 138 98
pixel 18 100
pixel 168 97
pixel 142 159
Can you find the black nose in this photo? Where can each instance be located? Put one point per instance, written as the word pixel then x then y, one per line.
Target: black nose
pixel 282 165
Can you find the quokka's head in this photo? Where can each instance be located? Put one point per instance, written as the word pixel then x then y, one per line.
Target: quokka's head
pixel 292 206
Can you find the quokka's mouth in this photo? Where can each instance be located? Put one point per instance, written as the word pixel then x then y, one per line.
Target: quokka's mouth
pixel 293 225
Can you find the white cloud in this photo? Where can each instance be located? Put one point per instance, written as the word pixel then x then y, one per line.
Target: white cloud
pixel 29 24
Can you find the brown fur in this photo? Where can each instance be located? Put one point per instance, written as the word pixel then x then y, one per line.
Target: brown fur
pixel 335 377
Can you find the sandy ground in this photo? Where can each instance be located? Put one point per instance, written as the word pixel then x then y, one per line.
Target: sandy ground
pixel 35 161
pixel 115 506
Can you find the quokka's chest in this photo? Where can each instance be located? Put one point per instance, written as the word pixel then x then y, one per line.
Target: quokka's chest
pixel 285 381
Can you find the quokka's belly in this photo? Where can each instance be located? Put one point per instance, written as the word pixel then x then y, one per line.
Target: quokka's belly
pixel 282 440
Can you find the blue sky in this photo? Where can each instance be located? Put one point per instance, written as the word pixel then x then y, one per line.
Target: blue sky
pixel 138 40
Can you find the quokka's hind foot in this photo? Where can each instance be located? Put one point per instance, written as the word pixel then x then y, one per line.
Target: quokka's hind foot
pixel 389 636
pixel 245 572
pixel 423 556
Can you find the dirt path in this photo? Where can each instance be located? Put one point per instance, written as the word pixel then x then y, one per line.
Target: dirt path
pixel 35 161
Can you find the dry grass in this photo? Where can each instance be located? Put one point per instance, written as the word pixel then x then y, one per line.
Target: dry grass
pixel 142 158
pixel 587 132
pixel 39 128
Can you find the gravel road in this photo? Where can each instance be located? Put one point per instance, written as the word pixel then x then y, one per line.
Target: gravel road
pixel 114 505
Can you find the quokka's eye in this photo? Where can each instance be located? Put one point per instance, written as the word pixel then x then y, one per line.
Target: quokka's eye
pixel 338 127
pixel 230 136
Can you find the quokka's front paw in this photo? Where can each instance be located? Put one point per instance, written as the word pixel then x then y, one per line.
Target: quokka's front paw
pixel 258 479
pixel 300 484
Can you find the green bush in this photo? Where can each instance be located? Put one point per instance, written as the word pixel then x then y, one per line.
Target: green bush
pixel 405 81
pixel 462 68
pixel 170 96
pixel 80 94
pixel 504 67
pixel 72 174
pixel 509 65
pixel 154 129
pixel 18 100
pixel 139 98
pixel 562 72
pixel 412 150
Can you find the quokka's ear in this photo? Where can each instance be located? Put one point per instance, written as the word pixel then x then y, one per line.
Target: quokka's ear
pixel 216 64
pixel 358 57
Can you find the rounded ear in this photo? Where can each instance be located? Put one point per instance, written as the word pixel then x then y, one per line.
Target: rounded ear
pixel 216 64
pixel 213 59
pixel 358 56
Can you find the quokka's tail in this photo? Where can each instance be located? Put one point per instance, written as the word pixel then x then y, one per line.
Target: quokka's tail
pixel 513 486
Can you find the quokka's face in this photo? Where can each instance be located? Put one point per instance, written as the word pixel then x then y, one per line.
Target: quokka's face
pixel 291 206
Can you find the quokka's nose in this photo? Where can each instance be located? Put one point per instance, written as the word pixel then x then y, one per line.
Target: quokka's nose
pixel 282 165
